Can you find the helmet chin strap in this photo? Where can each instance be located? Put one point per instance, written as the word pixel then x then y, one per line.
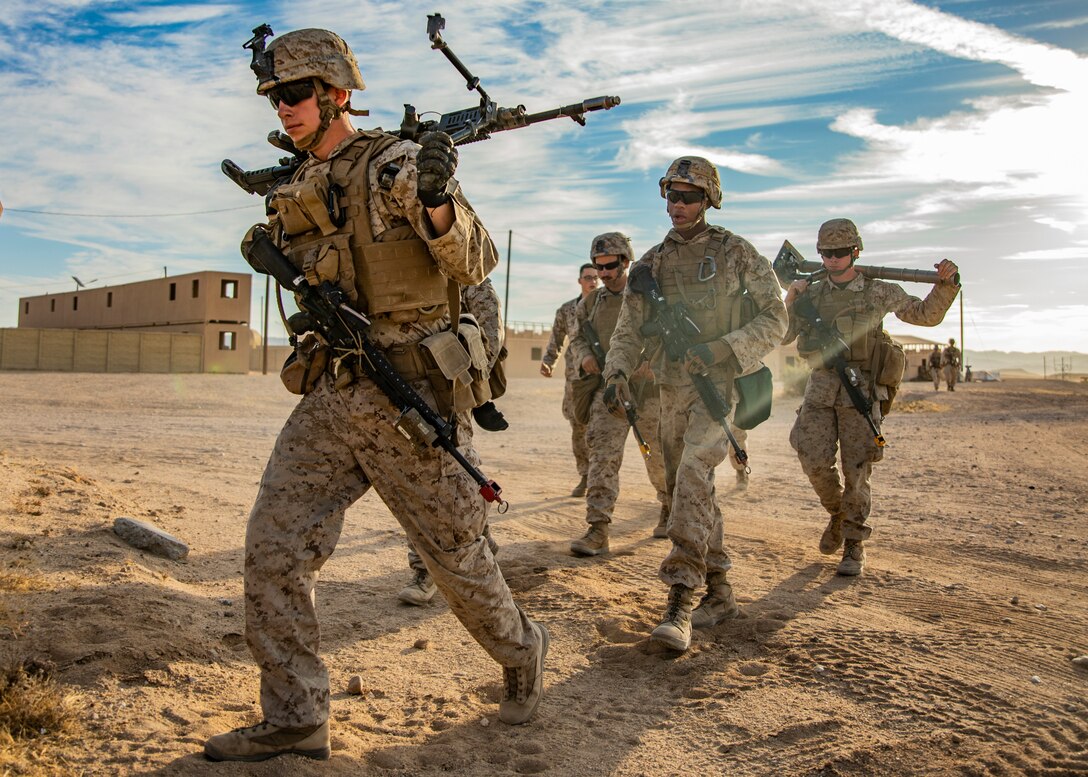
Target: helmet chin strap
pixel 329 112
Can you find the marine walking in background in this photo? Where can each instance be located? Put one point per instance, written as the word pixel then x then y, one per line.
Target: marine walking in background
pixel 379 223
pixel 694 280
pixel 856 367
pixel 951 359
pixel 564 330
pixel 606 434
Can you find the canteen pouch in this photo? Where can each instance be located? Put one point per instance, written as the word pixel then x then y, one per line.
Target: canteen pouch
pixel 893 363
pixel 754 396
pixel 450 377
pixel 305 365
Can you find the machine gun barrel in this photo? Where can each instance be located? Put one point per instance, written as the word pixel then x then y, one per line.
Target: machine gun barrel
pixel 575 111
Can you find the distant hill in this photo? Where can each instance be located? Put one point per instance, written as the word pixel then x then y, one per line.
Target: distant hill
pixel 1029 362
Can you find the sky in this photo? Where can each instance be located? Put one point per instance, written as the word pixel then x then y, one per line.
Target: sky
pixel 943 130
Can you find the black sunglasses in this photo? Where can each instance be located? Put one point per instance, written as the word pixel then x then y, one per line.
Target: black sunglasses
pixel 836 253
pixel 292 93
pixel 688 198
pixel 610 266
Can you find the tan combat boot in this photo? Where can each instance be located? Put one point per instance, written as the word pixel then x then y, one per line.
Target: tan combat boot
pixel 420 591
pixel 595 541
pixel 717 605
pixel 675 630
pixel 662 529
pixel 831 540
pixel 263 741
pixel 853 559
pixel 523 687
pixel 580 489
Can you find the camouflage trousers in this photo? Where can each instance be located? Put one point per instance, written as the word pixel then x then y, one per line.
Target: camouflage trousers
pixel 951 374
pixel 823 431
pixel 936 372
pixel 577 433
pixel 693 445
pixel 607 437
pixel 333 448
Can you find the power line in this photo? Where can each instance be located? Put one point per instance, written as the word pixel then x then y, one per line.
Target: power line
pixel 125 215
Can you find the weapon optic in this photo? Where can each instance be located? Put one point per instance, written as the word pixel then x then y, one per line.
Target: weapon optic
pixel 790 266
pixel 466 125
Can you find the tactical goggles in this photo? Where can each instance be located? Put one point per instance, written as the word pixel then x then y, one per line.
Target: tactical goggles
pixel 836 253
pixel 688 198
pixel 610 266
pixel 291 94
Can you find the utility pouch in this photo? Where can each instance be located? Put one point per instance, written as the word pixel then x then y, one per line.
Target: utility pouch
pixel 754 395
pixel 893 363
pixel 496 378
pixel 304 205
pixel 451 378
pixel 584 390
pixel 326 259
pixel 468 331
pixel 305 366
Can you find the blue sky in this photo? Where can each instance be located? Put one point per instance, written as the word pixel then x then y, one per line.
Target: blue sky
pixel 952 129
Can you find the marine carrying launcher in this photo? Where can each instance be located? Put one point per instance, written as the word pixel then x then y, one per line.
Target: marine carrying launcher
pixel 466 125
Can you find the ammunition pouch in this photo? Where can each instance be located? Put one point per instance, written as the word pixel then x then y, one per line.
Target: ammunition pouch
pixel 584 390
pixel 303 206
pixel 754 395
pixel 305 366
pixel 401 279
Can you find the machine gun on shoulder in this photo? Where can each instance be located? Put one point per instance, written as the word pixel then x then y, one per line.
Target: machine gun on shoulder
pixel 790 266
pixel 674 326
pixel 589 332
pixel 344 329
pixel 467 125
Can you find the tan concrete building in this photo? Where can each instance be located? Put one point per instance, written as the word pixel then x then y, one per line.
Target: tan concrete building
pixel 214 305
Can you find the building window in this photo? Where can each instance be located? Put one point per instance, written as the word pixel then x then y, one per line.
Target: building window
pixel 229 289
pixel 75 303
pixel 52 306
pixel 196 289
pixel 173 291
pixel 109 299
pixel 26 308
pixel 536 354
pixel 227 341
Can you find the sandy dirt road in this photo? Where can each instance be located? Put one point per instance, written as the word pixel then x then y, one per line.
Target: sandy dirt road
pixel 950 656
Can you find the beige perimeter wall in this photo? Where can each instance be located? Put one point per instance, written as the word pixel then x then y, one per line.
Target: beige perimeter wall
pixel 89 350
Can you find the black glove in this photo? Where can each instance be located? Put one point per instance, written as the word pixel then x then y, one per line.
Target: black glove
pixel 435 163
pixel 490 418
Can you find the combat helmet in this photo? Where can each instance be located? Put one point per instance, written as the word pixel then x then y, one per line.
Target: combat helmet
pixel 698 172
pixel 611 244
pixel 838 233
pixel 307 53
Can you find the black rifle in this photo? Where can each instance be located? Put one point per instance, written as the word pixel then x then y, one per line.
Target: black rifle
pixel 833 351
pixel 589 332
pixel 344 329
pixel 463 126
pixel 675 328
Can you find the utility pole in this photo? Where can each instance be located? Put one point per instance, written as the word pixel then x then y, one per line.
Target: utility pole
pixel 264 340
pixel 506 302
pixel 963 345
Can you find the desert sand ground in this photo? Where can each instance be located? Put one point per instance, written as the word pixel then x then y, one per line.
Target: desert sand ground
pixel 952 655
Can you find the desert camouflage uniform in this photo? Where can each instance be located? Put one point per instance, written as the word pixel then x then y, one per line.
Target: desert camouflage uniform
pixel 606 435
pixel 950 358
pixel 693 443
pixel 337 444
pixel 564 330
pixel 827 420
pixel 935 368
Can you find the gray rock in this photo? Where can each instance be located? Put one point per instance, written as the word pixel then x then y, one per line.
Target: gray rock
pixel 146 536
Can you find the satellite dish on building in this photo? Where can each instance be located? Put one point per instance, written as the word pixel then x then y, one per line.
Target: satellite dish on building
pixel 80 284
